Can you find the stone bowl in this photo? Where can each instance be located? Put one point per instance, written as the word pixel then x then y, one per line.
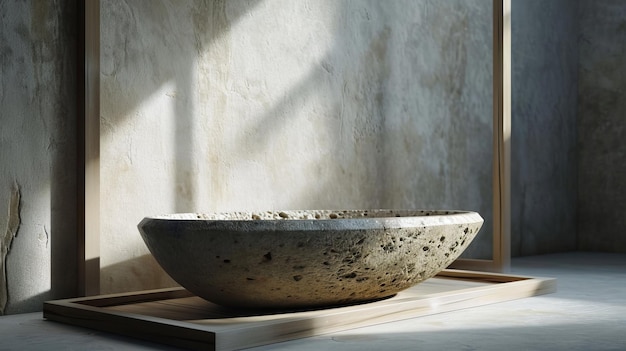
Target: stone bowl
pixel 304 259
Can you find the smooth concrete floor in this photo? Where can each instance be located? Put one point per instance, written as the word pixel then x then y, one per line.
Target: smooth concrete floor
pixel 588 312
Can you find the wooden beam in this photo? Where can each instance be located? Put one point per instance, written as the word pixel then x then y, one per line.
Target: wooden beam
pixel 88 236
pixel 502 143
pixel 501 169
pixel 173 316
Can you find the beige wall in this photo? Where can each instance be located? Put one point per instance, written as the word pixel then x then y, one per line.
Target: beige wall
pixel 37 152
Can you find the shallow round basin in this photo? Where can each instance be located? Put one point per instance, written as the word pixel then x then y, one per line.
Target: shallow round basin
pixel 297 259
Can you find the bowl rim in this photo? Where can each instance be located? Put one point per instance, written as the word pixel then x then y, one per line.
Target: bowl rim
pixel 429 218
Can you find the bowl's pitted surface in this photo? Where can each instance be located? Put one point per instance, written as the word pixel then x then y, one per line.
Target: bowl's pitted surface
pixel 292 259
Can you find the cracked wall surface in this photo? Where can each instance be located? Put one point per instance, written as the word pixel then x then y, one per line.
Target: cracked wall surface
pixel 13 224
pixel 37 141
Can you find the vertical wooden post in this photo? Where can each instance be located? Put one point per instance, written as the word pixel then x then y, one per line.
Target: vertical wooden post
pixel 89 151
pixel 501 171
pixel 502 133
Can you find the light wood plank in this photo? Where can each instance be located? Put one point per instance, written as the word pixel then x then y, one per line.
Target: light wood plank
pixel 132 297
pixel 193 323
pixel 501 125
pixel 505 243
pixel 88 238
pixel 501 169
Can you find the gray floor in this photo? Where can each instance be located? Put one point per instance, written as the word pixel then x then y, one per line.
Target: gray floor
pixel 588 312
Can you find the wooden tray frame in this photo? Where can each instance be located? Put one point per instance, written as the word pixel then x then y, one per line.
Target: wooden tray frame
pixel 242 332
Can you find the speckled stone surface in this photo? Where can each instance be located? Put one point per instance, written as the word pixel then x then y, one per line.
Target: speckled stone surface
pixel 293 259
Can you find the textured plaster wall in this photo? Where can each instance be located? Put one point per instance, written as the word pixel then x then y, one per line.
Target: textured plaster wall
pixel 602 126
pixel 544 102
pixel 37 120
pixel 242 105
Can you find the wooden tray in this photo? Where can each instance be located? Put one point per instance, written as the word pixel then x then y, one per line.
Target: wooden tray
pixel 176 317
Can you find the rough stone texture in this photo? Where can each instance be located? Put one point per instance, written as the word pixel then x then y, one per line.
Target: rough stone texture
pixel 543 142
pixel 294 259
pixel 245 105
pixel 13 225
pixel 602 126
pixel 37 144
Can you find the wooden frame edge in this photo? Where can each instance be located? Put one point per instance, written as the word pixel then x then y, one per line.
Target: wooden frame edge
pixel 92 312
pixel 88 236
pixel 501 168
pixel 504 132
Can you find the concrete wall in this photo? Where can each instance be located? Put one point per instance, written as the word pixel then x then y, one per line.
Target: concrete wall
pixel 223 105
pixel 602 126
pixel 37 155
pixel 544 103
pixel 241 105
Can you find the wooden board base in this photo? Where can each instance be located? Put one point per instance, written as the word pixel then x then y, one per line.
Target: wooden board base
pixel 176 317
